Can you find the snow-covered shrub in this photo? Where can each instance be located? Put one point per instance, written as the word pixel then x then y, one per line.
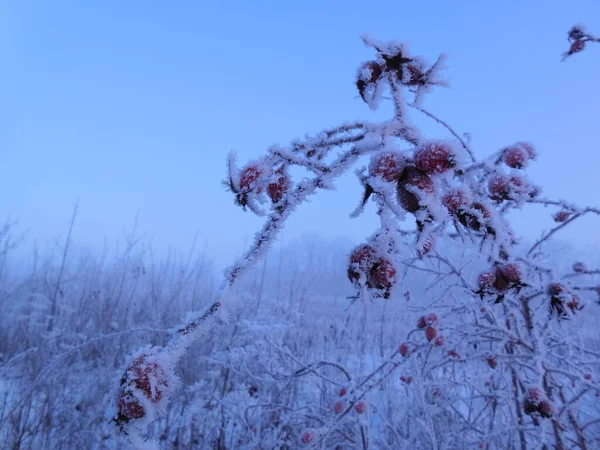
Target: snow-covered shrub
pixel 494 361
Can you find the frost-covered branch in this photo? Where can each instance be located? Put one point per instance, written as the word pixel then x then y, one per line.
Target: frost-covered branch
pixel 578 38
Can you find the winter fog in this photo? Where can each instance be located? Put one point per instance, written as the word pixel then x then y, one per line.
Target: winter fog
pixel 330 225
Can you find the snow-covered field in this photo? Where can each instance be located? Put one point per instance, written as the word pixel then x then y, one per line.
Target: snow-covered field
pixel 264 380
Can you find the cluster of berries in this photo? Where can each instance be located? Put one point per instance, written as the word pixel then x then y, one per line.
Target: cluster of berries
pixel 257 178
pixel 392 65
pixel 562 300
pixel 501 279
pixel 372 269
pixel 536 403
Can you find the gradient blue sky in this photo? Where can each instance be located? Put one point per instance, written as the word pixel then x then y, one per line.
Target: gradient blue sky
pixel 132 106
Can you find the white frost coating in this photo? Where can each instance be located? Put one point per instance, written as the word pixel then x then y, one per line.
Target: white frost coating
pixel 477 228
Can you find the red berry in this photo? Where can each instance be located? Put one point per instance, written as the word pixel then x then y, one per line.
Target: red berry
pixel 361 261
pixel 546 408
pixel 364 256
pixel 483 309
pixel 379 272
pixel 475 217
pixel 502 283
pixel 130 407
pixel 370 71
pixel 308 437
pixel 407 380
pixel 513 272
pixel 499 187
pixel 577 46
pixel 149 377
pixel 574 304
pixel 437 392
pixel 529 149
pixel 579 267
pixel 535 394
pixel 417 77
pixel 421 182
pixel 454 354
pixel 440 341
pixel 404 349
pixel 146 375
pixel 455 200
pixel 519 186
pixel 487 280
pixel 368 74
pixel 557 289
pixel 360 407
pixel 412 185
pixel 277 190
pixel 338 407
pixel 492 362
pixel 342 392
pixel 432 319
pixel 561 216
pixel 529 407
pixel 536 402
pixel 515 157
pixel 383 275
pixel 435 157
pixel 502 187
pixel 387 165
pixel 588 376
pixel 518 183
pixel 250 177
pixel 430 333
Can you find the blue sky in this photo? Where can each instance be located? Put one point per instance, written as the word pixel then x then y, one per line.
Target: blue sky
pixel 133 106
